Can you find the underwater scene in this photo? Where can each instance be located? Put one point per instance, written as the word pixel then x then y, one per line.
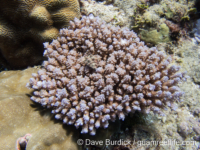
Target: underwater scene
pixel 100 75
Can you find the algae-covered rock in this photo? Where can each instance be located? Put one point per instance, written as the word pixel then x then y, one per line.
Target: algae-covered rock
pixel 148 16
pixel 155 36
pixel 190 53
pixel 20 116
pixel 108 13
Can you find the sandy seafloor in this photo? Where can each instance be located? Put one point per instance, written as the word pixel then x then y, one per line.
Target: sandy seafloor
pixel 179 129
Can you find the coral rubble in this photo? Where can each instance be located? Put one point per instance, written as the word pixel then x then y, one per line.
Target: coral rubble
pixel 26 24
pixel 96 72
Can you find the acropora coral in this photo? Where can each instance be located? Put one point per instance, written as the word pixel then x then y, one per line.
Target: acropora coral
pixel 26 24
pixel 122 76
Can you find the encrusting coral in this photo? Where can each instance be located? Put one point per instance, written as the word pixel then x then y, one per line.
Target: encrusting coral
pixel 26 24
pixel 96 72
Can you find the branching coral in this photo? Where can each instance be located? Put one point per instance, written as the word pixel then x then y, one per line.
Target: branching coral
pixel 26 24
pixel 122 76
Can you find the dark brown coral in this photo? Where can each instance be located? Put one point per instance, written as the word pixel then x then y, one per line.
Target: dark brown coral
pixel 26 24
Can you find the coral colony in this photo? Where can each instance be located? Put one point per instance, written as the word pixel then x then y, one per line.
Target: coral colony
pixel 97 72
pixel 26 24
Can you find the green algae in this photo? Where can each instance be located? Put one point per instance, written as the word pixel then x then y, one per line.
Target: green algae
pixel 155 36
